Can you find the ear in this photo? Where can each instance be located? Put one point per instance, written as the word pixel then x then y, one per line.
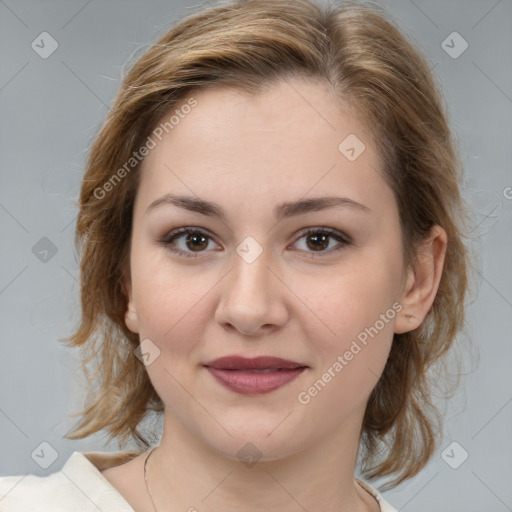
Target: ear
pixel 130 317
pixel 422 281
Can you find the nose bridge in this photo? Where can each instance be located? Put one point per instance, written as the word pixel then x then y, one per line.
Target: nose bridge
pixel 251 274
pixel 251 297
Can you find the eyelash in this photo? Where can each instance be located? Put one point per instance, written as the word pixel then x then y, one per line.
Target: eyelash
pixel 177 233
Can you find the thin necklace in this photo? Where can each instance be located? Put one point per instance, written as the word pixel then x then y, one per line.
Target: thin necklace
pixel 146 477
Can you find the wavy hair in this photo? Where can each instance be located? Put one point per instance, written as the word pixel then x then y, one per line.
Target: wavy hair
pixel 369 65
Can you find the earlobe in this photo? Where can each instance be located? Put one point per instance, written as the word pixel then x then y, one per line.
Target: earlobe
pixel 131 320
pixel 422 281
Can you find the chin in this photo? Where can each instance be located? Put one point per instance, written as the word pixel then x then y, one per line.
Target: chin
pixel 249 442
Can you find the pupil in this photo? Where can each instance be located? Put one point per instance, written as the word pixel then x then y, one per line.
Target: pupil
pixel 322 240
pixel 195 237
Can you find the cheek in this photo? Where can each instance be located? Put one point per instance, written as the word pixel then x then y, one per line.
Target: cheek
pixel 349 301
pixel 165 306
pixel 170 301
pixel 171 313
pixel 350 361
pixel 352 329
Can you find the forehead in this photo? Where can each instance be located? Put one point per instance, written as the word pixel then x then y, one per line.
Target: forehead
pixel 276 108
pixel 291 138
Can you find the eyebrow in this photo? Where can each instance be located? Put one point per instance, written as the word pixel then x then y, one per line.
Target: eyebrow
pixel 281 210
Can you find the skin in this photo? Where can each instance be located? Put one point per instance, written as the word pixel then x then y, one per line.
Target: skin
pixel 249 153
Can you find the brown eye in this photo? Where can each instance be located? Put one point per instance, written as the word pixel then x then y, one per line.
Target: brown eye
pixel 196 241
pixel 193 241
pixel 318 240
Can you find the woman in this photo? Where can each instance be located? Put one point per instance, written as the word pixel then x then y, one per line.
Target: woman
pixel 271 246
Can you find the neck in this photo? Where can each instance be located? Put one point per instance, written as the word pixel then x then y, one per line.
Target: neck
pixel 185 473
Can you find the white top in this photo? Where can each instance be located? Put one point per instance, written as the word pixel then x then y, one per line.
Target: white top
pixel 79 485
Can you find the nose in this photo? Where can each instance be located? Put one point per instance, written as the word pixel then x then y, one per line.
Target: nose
pixel 253 298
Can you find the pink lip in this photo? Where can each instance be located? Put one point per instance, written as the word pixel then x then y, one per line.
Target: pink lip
pixel 254 363
pixel 240 374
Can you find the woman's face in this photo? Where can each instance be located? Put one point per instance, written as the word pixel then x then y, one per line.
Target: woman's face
pixel 251 282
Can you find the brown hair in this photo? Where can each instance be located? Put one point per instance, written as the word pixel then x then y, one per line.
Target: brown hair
pixel 251 44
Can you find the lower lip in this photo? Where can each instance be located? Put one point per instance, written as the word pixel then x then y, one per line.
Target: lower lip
pixel 253 383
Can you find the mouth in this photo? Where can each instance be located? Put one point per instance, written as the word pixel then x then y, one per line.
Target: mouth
pixel 261 363
pixel 254 376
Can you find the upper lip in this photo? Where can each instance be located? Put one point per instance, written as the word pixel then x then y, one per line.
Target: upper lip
pixel 256 363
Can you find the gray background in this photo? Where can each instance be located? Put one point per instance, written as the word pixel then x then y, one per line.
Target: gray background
pixel 51 108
